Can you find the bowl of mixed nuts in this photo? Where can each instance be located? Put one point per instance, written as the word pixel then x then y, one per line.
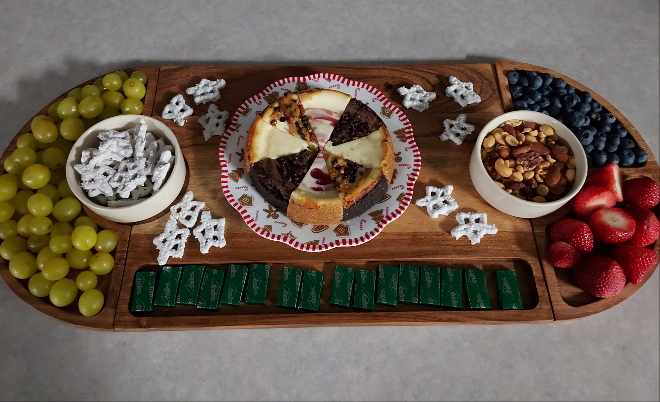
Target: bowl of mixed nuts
pixel 527 164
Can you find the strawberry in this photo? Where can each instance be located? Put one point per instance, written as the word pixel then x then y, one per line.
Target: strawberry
pixel 600 277
pixel 609 177
pixel 563 255
pixel 590 199
pixel 612 225
pixel 647 227
pixel 642 191
pixel 635 261
pixel 574 232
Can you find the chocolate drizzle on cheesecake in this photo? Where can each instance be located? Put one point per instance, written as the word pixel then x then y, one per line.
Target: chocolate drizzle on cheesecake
pixel 357 121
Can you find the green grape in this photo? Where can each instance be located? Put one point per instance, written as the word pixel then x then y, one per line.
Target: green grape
pixel 23 265
pixel 40 225
pixel 40 158
pixel 43 146
pixel 12 246
pixel 72 128
pixel 63 292
pixel 45 132
pixel 40 205
pixel 66 209
pixel 90 302
pixel 99 84
pixel 91 106
pixel 12 167
pixel 8 229
pixel 8 186
pixel 112 82
pixel 20 201
pixel 101 263
pixel 51 192
pixel 64 190
pixel 24 157
pixel 20 183
pixel 36 176
pixel 108 112
pixel 89 90
pixel 106 240
pixel 55 269
pixel 52 112
pixel 39 119
pixel 36 243
pixel 54 158
pixel 68 107
pixel 76 93
pixel 45 255
pixel 27 140
pixel 60 244
pixel 23 225
pixel 39 285
pixel 56 176
pixel 87 221
pixel 6 210
pixel 86 280
pixel 142 77
pixel 63 145
pixel 83 237
pixel 79 259
pixel 122 75
pixel 112 99
pixel 133 88
pixel 89 122
pixel 61 228
pixel 132 106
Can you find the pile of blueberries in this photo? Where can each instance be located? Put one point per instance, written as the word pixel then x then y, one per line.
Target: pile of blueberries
pixel 604 139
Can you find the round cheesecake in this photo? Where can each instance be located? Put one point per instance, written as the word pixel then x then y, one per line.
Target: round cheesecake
pixel 319 156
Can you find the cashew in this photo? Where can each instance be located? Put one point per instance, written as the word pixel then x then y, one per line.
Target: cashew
pixel 538 178
pixel 502 169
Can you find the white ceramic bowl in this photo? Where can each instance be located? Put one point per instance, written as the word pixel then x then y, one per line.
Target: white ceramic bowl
pixel 144 209
pixel 509 204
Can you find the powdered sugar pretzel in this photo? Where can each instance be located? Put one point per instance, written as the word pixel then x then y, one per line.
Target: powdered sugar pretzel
pixel 187 210
pixel 177 110
pixel 210 232
pixel 472 225
pixel 462 92
pixel 206 90
pixel 438 201
pixel 213 122
pixel 172 242
pixel 456 130
pixel 416 97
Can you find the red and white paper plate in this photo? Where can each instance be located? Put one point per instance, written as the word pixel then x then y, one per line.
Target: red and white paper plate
pixel 267 221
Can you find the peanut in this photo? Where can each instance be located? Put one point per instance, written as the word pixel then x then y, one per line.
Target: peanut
pixel 547 129
pixel 489 141
pixel 520 169
pixel 528 175
pixel 511 140
pixel 538 198
pixel 501 185
pixel 499 139
pixel 534 133
pixel 542 190
pixel 517 176
pixel 570 175
pixel 530 138
pixel 526 130
pixel 571 162
pixel 520 137
pixel 497 131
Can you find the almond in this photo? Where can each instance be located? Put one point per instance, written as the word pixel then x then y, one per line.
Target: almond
pixel 523 149
pixel 558 153
pixel 553 176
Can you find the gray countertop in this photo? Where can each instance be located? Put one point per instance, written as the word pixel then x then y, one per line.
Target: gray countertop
pixel 46 48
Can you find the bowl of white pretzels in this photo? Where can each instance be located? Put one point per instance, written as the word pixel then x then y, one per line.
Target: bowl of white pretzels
pixel 127 168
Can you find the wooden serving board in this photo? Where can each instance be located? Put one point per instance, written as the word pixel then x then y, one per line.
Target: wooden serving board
pixel 414 237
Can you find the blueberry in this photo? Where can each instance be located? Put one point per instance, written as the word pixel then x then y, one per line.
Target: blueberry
pixel 590 161
pixel 568 111
pixel 599 158
pixel 586 122
pixel 591 128
pixel 560 91
pixel 524 81
pixel 516 91
pixel 626 157
pixel 531 74
pixel 520 105
pixel 535 82
pixel 582 107
pixel 512 77
pixel 620 129
pixel 585 137
pixel 546 91
pixel 628 143
pixel 533 94
pixel 571 100
pixel 547 78
pixel 553 110
pixel 613 138
pixel 555 101
pixel 611 147
pixel 570 89
pixel 640 155
pixel 543 103
pixel 598 143
pixel 545 112
pixel 612 158
pixel 534 107
pixel 586 97
pixel 594 116
pixel 559 118
pixel 595 106
pixel 588 148
pixel 578 120
pixel 604 126
pixel 558 83
pixel 528 100
pixel 607 117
